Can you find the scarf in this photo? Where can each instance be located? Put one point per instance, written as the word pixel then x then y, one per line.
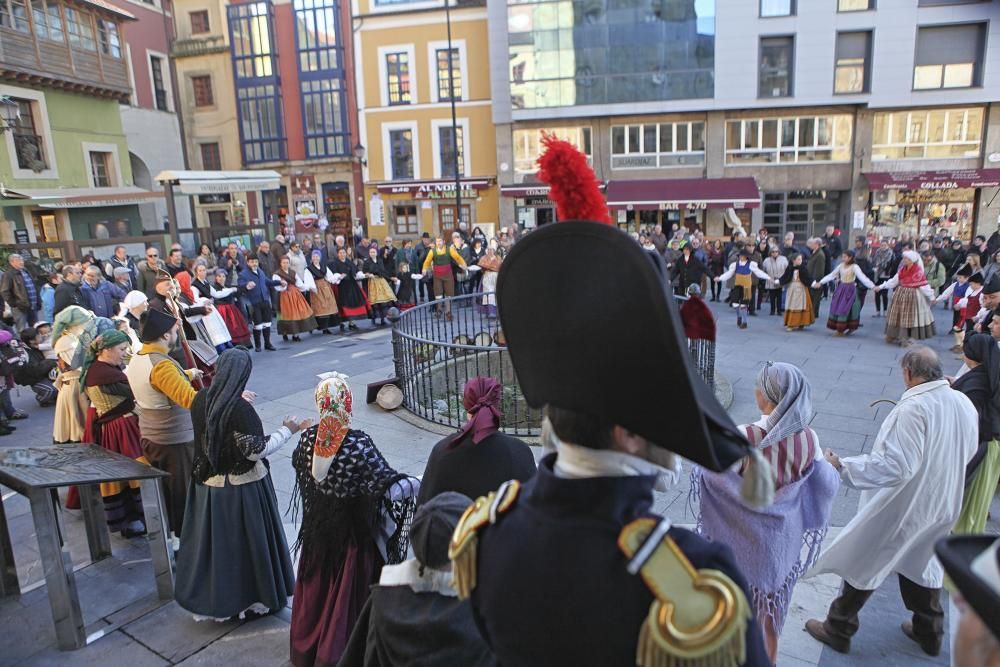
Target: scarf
pixel 335 403
pixel 490 262
pixel 482 402
pixel 106 340
pixel 785 386
pixel 286 276
pixel 133 299
pixel 184 281
pixel 317 272
pixel 232 372
pixel 68 317
pixel 912 276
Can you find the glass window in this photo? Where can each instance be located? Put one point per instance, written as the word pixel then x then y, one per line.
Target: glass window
pixel 203 95
pixel 211 158
pixel 675 144
pixel 443 68
pixel 262 133
pixel 28 145
pixel 930 133
pixel 527 144
pixel 48 22
pixel 199 22
pixel 949 56
pixel 776 61
pixel 111 44
pixel 405 220
pixel 79 29
pixel 318 36
pixel 777 8
pixel 447 140
pixel 851 66
pixel 855 5
pixel 789 140
pixel 159 89
pixel 250 39
pixel 100 169
pixel 397 72
pixel 325 118
pixel 401 154
pixel 322 78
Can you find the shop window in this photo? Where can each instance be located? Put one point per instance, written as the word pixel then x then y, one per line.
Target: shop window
pixel 776 66
pixel 949 56
pixel 448 154
pixel 401 152
pixel 28 143
pixel 406 221
pixel 445 94
pixel 203 95
pixel 397 72
pixel 446 218
pixel 199 22
pixel 79 29
pixel 927 133
pixel 101 169
pixel 528 145
pixel 159 87
pixel 855 5
pixel 211 158
pixel 657 145
pixel 111 42
pixel 770 8
pixel 789 140
pixel 852 65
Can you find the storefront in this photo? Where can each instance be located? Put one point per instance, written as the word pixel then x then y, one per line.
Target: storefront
pixel 712 205
pixel 404 210
pixel 532 206
pixel 927 203
pixel 805 213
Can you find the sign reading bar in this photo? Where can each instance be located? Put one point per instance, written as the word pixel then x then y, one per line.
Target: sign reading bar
pixel 677 206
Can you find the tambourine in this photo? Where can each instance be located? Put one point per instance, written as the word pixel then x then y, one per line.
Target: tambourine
pixel 483 339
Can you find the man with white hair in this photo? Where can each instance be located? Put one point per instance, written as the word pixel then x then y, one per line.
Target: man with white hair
pixel 912 485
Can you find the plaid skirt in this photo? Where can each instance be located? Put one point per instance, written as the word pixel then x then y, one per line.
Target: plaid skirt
pixel 909 315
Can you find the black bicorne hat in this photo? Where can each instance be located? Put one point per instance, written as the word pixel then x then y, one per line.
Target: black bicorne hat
pixel 992 285
pixel 965 271
pixel 608 342
pixel 155 323
pixel 973 564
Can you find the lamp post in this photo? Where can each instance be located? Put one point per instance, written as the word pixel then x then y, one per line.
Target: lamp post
pixel 454 121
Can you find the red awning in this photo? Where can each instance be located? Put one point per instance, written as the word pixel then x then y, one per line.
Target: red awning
pixel 933 180
pixel 671 194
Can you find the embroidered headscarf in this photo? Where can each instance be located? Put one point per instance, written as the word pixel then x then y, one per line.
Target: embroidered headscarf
pixel 335 404
pixel 232 371
pixel 482 402
pixel 68 318
pixel 106 340
pixel 184 280
pixel 785 386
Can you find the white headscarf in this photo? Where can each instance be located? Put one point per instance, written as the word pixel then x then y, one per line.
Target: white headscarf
pixel 913 256
pixel 131 300
pixel 785 386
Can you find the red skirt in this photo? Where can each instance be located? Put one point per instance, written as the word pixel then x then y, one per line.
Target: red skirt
pixel 235 322
pixel 120 435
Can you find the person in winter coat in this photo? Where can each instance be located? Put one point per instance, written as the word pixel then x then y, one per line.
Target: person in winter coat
pixel 816 266
pixel 689 270
pixel 716 265
pixel 775 265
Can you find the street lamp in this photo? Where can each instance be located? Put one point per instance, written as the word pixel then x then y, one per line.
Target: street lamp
pixel 454 121
pixel 359 155
pixel 10 113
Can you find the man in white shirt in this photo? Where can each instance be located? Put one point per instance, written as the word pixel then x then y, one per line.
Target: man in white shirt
pixel 912 485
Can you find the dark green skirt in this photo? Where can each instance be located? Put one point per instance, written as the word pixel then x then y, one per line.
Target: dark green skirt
pixel 233 553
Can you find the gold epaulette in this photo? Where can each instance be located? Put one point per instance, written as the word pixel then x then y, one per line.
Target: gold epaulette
pixel 462 548
pixel 699 617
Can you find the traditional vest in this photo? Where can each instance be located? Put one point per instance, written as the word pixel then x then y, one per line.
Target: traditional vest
pixel 160 419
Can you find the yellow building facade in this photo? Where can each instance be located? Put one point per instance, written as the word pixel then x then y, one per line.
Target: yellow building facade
pixel 405 118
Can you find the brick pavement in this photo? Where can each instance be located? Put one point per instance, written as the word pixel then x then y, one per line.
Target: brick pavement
pixel 847 375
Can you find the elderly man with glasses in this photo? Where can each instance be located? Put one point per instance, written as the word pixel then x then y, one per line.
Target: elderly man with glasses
pixel 147 273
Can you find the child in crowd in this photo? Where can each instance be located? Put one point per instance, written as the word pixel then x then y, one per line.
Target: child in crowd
pixel 37 372
pixel 405 293
pixel 956 292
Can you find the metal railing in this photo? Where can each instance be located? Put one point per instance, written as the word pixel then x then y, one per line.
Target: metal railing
pixel 435 356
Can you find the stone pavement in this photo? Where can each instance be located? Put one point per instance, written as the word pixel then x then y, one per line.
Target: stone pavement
pixel 847 374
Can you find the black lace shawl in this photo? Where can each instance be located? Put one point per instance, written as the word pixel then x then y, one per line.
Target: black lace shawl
pixel 350 503
pixel 245 438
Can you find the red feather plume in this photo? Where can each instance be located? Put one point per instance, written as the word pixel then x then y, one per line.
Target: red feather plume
pixel 572 183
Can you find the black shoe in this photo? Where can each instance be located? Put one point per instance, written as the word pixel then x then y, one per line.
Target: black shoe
pixel 284 338
pixel 18 415
pixel 6 430
pixel 296 339
pixel 327 332
pixel 352 326
pixel 931 645
pixel 343 328
pixel 270 348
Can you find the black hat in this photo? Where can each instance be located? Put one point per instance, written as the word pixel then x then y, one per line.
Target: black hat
pixel 973 563
pixel 643 379
pixel 965 271
pixel 992 285
pixel 433 525
pixel 744 253
pixel 425 235
pixel 155 323
pixel 977 278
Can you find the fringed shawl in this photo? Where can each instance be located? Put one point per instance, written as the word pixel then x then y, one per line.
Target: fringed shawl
pixel 769 540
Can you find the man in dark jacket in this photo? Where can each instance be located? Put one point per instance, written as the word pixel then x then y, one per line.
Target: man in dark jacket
pixel 817 269
pixel 121 260
pixel 147 272
pixel 834 248
pixel 175 263
pixel 69 292
pixel 419 255
pixel 102 297
pixel 18 290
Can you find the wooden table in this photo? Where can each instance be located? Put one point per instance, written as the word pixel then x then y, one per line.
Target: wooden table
pixel 37 473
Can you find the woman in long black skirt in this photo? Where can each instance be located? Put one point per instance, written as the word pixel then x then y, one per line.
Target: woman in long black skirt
pixel 233 559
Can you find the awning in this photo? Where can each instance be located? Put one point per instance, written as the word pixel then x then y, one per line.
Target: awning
pixel 530 189
pixel 218 182
pixel 933 180
pixel 77 197
pixel 439 189
pixel 691 193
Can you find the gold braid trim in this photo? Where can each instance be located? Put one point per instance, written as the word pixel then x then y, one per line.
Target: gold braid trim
pixel 699 617
pixel 464 544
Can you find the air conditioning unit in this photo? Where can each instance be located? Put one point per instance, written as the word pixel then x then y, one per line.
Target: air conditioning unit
pixel 884 198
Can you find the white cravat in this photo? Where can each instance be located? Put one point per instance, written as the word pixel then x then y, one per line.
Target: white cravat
pixel 576 462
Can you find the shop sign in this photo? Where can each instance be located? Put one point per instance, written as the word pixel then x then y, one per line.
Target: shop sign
pixel 304 203
pixel 634 162
pixel 376 211
pixel 21 236
pixel 435 189
pixel 677 206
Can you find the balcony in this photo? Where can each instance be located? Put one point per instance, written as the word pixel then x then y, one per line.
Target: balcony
pixel 199 46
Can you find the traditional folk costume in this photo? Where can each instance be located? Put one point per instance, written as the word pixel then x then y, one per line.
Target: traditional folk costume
pixel 224 300
pixel 439 262
pixel 406 288
pixel 490 264
pixel 954 295
pixel 70 417
pixel 845 307
pixel 294 314
pixel 356 513
pixel 909 315
pixel 743 294
pixel 259 299
pixel 380 295
pixel 163 393
pixel 196 350
pixel 771 540
pixel 322 301
pixel 132 300
pixel 207 325
pixel 982 386
pixel 911 496
pixel 113 425
pixel 478 458
pixel 581 533
pixel 798 302
pixel 971 304
pixel 233 557
pixel 414 615
pixel 351 298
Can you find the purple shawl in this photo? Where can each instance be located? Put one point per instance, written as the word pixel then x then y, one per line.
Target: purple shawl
pixel 768 542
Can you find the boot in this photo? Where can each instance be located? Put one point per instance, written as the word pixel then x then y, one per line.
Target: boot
pixel 267 340
pixel 256 340
pixel 930 646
